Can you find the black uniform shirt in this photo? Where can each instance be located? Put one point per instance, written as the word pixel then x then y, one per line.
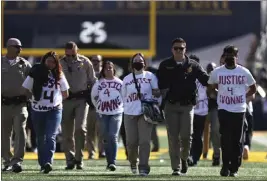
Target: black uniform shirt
pixel 180 79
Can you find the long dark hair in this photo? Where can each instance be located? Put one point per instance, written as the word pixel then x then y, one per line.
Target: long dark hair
pixel 102 74
pixel 57 71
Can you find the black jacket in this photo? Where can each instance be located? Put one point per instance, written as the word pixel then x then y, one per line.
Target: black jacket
pixel 181 79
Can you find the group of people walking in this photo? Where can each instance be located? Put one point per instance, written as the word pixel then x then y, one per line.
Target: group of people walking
pixel 61 90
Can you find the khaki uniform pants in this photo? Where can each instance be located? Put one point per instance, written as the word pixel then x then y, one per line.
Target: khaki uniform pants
pixel 74 129
pixel 93 132
pixel 215 133
pixel 154 137
pixel 179 123
pixel 13 117
pixel 138 135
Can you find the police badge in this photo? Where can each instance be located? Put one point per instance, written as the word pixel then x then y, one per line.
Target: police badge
pixel 189 70
pixel 80 66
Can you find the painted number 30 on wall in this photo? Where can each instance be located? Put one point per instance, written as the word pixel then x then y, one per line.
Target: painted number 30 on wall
pixel 93 32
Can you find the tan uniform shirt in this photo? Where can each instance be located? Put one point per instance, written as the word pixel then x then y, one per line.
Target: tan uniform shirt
pixel 79 73
pixel 13 75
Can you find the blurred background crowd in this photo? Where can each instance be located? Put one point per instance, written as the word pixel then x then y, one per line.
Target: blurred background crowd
pixel 117 30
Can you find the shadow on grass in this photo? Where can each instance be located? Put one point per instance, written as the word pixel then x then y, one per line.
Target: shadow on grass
pixel 115 175
pixel 118 176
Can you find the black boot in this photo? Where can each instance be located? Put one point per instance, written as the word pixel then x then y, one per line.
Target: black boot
pixel 184 166
pixel 16 168
pixel 224 172
pixel 215 161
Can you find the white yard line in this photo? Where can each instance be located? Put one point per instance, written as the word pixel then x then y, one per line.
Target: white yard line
pixel 260 139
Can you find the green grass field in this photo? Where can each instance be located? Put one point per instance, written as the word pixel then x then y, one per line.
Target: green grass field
pixel 253 169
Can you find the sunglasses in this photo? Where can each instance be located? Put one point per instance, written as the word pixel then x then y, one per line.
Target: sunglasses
pixel 96 60
pixel 179 48
pixel 71 56
pixel 16 46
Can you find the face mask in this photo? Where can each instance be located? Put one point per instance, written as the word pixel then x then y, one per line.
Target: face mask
pixel 229 61
pixel 138 66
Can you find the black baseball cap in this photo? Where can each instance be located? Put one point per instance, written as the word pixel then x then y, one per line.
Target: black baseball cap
pixel 230 50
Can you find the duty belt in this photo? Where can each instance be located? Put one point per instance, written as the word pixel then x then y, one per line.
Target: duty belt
pixel 14 100
pixel 182 103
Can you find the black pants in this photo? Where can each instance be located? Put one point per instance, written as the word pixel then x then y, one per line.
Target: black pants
pixel 231 129
pixel 197 143
pixel 249 129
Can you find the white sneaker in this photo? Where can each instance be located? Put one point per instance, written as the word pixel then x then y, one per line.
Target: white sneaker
pixel 134 169
pixel 246 152
pixel 112 167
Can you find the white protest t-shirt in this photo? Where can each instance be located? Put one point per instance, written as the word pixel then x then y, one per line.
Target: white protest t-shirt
pixel 106 96
pixel 232 87
pixel 50 97
pixel 201 108
pixel 147 81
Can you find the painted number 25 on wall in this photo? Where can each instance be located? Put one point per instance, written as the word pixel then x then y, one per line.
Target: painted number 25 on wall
pixel 93 32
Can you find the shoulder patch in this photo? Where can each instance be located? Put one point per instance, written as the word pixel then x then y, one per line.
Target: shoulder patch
pixel 82 57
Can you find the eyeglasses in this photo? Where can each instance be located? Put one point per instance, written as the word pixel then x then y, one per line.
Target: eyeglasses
pixel 179 48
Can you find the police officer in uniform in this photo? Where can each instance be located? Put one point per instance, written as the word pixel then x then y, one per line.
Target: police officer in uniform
pixel 14 109
pixel 177 80
pixel 80 75
pixel 93 129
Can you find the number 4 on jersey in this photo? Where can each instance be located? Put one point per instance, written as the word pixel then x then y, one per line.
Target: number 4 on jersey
pixel 107 92
pixel 231 90
pixel 49 97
